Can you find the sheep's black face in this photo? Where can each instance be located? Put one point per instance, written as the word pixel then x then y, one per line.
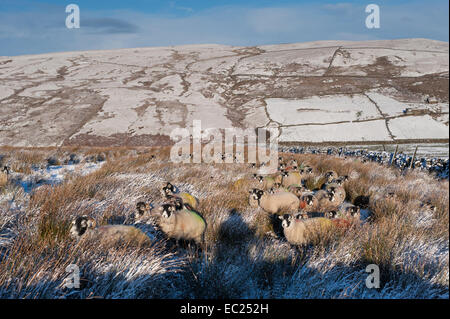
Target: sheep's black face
pixel 260 179
pixel 332 214
pixel 286 220
pixel 178 204
pixel 167 210
pixel 140 207
pixel 331 196
pixel 259 194
pixel 309 170
pixel 79 226
pixel 332 190
pixel 309 200
pixel 354 211
pixel 170 187
pixel 168 190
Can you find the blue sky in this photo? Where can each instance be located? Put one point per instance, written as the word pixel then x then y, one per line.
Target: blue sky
pixel 38 26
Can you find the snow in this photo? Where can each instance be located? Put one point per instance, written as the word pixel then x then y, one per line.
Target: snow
pixel 5 92
pixel 344 132
pixel 417 127
pixel 321 109
pixel 52 175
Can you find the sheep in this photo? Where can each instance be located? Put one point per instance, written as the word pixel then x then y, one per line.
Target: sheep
pixel 306 170
pixel 274 203
pixel 349 210
pixel 326 200
pixel 339 181
pixel 4 176
pixel 330 175
pixel 428 207
pixel 329 215
pixel 84 228
pixel 299 231
pixel 338 223
pixel 290 178
pixel 253 199
pixel 309 202
pixel 169 191
pixel 181 223
pixel 267 182
pixel 297 190
pixel 293 163
pixel 142 209
pixel 338 192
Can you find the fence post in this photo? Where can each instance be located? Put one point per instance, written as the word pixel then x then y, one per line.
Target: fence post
pixel 393 156
pixel 414 157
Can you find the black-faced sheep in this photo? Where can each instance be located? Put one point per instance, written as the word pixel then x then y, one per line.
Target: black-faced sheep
pixel 297 190
pixel 291 178
pixel 326 200
pixel 348 210
pixel 298 231
pixel 267 182
pixel 84 228
pixel 274 203
pixel 330 175
pixel 338 192
pixel 169 191
pixel 181 223
pixel 309 202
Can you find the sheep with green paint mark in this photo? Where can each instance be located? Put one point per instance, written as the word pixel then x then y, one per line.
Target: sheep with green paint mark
pixel 180 222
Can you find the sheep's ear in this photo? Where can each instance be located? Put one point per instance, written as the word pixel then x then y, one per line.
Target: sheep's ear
pixel 91 223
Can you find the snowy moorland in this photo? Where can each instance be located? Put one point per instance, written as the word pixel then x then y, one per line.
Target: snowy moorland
pixel 312 92
pixel 243 256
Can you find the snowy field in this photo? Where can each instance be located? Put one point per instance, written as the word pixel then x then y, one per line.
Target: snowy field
pixel 140 95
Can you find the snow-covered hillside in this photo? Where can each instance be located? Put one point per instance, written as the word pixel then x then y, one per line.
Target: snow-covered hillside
pixel 317 92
